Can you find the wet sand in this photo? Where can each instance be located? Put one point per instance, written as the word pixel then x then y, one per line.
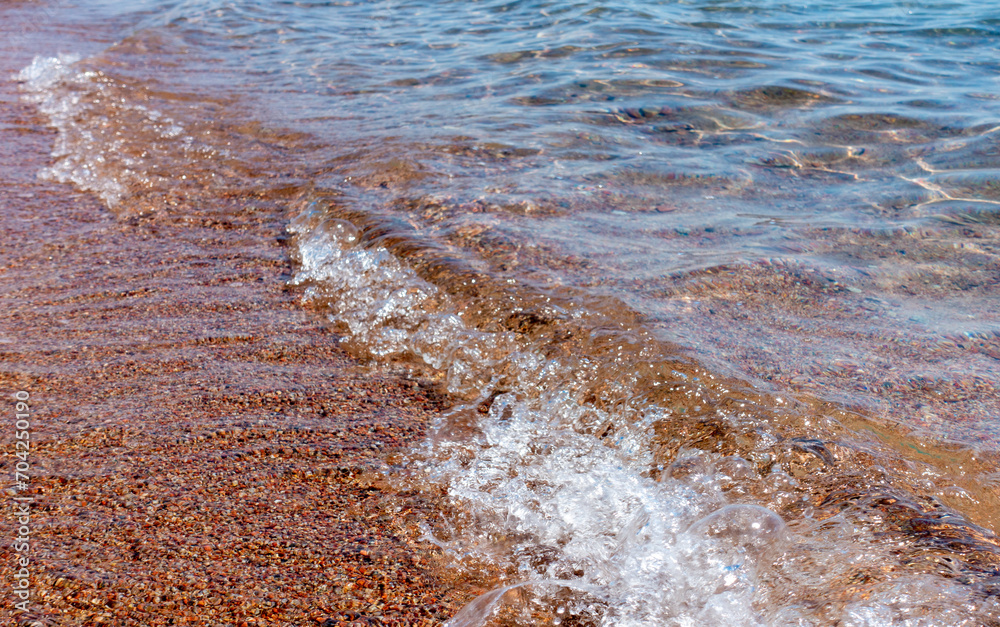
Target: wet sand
pixel 207 454
pixel 203 452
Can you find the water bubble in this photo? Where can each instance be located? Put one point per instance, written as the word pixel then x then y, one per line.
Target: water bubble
pixel 752 528
pixel 342 231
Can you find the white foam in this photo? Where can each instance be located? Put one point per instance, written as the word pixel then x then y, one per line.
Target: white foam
pixel 556 498
pixel 105 143
pixel 46 72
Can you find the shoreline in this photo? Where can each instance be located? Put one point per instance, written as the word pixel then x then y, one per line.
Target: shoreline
pixel 206 453
pixel 202 449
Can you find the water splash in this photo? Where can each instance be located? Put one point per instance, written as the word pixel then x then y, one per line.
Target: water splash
pixel 559 459
pixel 112 141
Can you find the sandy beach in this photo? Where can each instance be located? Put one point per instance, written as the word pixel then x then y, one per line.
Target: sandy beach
pixel 351 313
pixel 202 452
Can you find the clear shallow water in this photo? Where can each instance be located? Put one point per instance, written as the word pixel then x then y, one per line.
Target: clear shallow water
pixel 793 191
pixel 668 258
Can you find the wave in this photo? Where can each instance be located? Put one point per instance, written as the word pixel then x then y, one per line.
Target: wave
pixel 587 452
pixel 580 447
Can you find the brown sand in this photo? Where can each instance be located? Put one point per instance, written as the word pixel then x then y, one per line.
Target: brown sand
pixel 203 453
